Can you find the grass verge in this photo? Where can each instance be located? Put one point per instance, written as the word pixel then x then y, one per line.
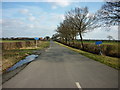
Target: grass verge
pixel 110 61
pixel 10 57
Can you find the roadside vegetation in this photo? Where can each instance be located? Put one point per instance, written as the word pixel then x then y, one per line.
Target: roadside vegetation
pixel 110 61
pixel 107 48
pixel 12 52
pixel 79 21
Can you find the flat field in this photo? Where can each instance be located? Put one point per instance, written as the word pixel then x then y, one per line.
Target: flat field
pixel 12 56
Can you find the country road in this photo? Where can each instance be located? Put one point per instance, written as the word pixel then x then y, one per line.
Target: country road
pixel 60 67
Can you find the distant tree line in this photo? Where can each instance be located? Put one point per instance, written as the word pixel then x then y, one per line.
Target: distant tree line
pixel 25 38
pixel 21 38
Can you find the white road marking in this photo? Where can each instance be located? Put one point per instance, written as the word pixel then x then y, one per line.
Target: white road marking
pixel 78 85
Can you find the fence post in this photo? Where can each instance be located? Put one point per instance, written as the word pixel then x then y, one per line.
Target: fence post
pixel 36 43
pixel 100 49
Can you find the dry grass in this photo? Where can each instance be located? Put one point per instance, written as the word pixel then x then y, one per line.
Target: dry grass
pixel 110 61
pixel 10 57
pixel 107 49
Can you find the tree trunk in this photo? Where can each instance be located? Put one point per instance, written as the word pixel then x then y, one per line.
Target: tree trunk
pixel 81 40
pixel 73 40
pixel 66 40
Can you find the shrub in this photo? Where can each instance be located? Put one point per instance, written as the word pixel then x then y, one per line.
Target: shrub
pixel 108 50
pixel 18 45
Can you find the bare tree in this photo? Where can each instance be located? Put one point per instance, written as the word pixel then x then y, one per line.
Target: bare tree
pixel 67 31
pixel 71 29
pixel 47 38
pixel 81 20
pixel 56 36
pixel 62 30
pixel 109 37
pixel 109 14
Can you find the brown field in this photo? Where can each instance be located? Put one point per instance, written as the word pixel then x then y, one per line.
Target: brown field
pixel 12 52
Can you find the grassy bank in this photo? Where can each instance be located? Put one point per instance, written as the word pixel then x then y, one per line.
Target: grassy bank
pixel 10 57
pixel 110 61
pixel 107 48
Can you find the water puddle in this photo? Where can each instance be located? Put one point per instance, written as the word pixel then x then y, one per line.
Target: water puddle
pixel 22 62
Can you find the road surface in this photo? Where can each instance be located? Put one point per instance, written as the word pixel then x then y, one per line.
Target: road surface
pixel 60 67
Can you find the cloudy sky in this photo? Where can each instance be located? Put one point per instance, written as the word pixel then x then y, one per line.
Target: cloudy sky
pixel 40 19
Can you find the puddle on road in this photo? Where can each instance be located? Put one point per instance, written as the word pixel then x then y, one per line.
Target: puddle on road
pixel 22 62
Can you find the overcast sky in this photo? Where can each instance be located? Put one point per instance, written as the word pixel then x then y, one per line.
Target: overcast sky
pixel 40 19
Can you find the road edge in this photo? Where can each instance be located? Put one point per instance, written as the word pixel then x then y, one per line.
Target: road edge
pixel 92 56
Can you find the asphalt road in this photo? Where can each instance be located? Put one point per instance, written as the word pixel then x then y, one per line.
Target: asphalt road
pixel 60 67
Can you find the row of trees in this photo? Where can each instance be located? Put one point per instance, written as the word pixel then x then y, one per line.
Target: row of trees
pixel 79 20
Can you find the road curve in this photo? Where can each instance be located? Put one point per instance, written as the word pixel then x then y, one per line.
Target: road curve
pixel 60 67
